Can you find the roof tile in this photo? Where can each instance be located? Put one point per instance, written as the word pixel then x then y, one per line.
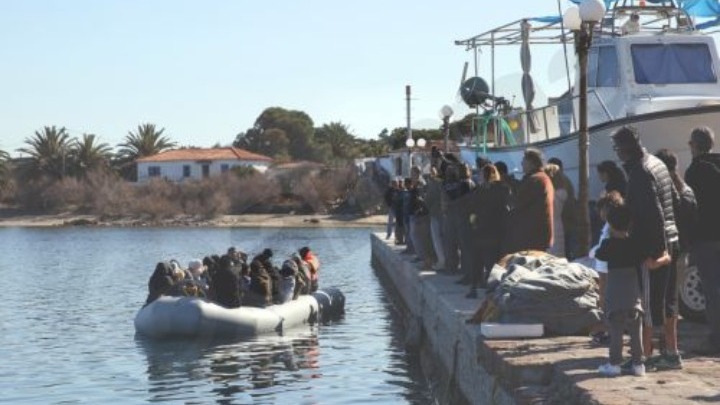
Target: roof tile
pixel 229 153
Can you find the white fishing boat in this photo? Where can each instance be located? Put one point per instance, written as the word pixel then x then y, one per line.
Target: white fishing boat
pixel 657 73
pixel 661 78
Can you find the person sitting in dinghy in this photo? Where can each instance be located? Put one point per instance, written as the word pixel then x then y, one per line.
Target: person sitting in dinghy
pixel 185 285
pixel 261 282
pixel 210 263
pixel 302 285
pixel 160 282
pixel 198 272
pixel 287 282
pixel 226 284
pixel 314 264
pixel 238 257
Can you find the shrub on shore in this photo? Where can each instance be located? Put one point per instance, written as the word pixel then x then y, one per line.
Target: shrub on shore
pixel 107 195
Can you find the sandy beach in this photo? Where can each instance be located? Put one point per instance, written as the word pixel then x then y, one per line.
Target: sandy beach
pixel 239 221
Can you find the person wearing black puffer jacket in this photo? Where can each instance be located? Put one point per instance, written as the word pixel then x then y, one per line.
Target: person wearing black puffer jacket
pixel 651 197
pixel 703 176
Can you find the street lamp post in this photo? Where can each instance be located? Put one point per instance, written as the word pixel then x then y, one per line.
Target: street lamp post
pixel 411 143
pixel 445 113
pixel 581 20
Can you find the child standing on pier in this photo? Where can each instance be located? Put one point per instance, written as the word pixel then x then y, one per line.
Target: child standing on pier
pixel 623 293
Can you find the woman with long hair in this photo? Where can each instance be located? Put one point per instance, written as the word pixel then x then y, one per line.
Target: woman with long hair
pixel 612 176
pixel 559 200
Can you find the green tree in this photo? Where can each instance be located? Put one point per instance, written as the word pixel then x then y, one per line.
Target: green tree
pixel 49 152
pixel 145 141
pixel 4 169
pixel 398 136
pixel 373 147
pixel 297 127
pixel 90 155
pixel 341 143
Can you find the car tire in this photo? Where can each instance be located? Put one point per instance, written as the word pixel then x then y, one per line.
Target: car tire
pixel 691 296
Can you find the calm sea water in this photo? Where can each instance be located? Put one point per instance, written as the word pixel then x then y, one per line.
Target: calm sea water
pixel 69 297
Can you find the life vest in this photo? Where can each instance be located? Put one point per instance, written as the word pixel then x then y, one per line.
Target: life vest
pixel 314 265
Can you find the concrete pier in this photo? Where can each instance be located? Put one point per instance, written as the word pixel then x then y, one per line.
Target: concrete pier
pixel 466 368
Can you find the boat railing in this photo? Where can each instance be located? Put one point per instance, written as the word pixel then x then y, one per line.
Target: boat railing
pixel 545 123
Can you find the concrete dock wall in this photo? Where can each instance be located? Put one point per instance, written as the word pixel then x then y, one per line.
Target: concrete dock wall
pixel 465 368
pixel 435 320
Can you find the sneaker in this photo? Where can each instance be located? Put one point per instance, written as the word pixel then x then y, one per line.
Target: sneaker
pixel 630 368
pixel 650 363
pixel 608 370
pixel 668 362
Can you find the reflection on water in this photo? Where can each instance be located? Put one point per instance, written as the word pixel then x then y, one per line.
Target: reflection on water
pixel 233 369
pixel 70 296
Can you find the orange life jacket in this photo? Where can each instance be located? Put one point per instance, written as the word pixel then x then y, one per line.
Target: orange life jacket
pixel 314 265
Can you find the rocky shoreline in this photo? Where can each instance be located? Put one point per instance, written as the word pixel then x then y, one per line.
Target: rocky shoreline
pixel 225 221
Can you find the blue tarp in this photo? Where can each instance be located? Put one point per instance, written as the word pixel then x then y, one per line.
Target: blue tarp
pixel 548 19
pixel 701 8
pixel 696 8
pixel 708 24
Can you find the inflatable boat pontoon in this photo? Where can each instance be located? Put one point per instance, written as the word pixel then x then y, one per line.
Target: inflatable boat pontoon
pixel 191 317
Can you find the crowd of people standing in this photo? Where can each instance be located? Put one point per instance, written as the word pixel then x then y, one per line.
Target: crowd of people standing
pixel 461 223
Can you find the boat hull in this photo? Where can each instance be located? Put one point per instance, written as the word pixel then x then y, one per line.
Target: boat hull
pixel 667 129
pixel 169 317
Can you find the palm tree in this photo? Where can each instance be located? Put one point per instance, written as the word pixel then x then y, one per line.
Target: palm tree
pixel 146 141
pixel 49 152
pixel 338 137
pixel 89 155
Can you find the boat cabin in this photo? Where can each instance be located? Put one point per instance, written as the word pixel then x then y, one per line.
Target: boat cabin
pixel 649 71
pixel 643 60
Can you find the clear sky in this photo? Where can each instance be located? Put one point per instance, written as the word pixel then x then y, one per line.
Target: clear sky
pixel 205 70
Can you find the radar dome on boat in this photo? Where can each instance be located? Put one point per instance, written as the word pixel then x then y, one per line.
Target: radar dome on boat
pixel 475 91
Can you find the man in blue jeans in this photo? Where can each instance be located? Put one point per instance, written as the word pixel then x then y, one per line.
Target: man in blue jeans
pixel 703 176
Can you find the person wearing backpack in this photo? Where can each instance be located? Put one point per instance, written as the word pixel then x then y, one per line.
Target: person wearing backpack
pixel 703 176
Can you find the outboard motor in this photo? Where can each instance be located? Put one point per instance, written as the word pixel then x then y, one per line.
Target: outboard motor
pixel 331 303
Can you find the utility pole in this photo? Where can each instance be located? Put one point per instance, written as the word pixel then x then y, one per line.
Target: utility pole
pixel 409 129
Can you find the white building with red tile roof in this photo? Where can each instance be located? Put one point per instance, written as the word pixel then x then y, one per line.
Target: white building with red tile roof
pixel 195 163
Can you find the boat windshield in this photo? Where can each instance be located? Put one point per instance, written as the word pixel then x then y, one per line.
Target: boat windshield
pixel 672 64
